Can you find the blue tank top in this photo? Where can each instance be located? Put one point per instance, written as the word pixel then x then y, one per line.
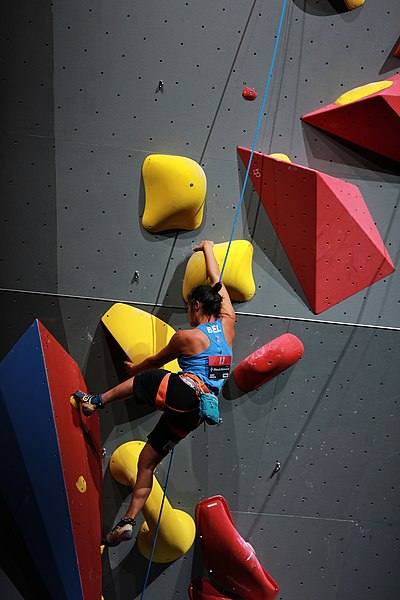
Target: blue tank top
pixel 211 366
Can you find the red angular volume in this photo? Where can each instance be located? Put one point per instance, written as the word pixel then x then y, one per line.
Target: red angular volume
pixel 53 483
pixel 371 121
pixel 80 452
pixel 231 560
pixel 324 226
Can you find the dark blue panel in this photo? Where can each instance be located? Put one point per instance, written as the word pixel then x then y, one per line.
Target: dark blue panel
pixel 32 483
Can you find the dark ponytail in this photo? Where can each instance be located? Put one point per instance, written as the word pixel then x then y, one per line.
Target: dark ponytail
pixel 209 298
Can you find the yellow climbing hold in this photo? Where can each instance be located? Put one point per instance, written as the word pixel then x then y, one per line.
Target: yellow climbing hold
pixel 73 402
pixel 81 484
pixel 175 189
pixel 177 529
pixel 139 333
pixel 280 156
pixel 361 92
pixel 238 275
pixel 351 4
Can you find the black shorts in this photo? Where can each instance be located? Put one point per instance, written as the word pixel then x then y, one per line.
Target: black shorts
pixel 180 396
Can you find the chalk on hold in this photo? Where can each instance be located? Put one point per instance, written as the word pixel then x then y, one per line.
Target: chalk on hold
pixel 352 4
pixel 139 333
pixel 268 361
pixel 175 190
pixel 176 531
pixel 238 275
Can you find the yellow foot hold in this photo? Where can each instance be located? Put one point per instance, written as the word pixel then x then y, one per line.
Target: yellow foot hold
pixel 175 188
pixel 73 402
pixel 238 276
pixel 177 529
pixel 280 156
pixel 81 484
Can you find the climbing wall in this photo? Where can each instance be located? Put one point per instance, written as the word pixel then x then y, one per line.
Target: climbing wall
pixel 82 110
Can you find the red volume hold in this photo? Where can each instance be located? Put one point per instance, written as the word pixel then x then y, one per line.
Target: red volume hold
pixel 268 361
pixel 203 589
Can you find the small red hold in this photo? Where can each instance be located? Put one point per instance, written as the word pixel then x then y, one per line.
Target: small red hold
pixel 249 94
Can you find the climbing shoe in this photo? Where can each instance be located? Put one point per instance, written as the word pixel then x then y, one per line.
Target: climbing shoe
pixel 122 532
pixel 89 402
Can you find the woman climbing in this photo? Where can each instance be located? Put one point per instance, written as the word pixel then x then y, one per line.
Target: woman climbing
pixel 204 355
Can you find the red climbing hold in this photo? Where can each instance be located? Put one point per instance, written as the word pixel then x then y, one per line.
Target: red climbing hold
pixel 231 560
pixel 203 589
pixel 249 94
pixel 268 361
pixel 324 226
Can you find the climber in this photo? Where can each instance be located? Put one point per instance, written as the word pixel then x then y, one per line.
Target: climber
pixel 204 354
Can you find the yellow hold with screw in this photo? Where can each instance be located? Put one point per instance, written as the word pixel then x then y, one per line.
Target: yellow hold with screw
pixel 177 530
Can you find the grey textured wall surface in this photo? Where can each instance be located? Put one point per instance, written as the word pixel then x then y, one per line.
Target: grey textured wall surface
pixel 81 111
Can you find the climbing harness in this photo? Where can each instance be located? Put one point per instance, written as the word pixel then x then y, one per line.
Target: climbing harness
pixel 228 249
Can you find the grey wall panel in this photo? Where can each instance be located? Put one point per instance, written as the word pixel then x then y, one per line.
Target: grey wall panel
pixel 326 426
pixel 29 218
pixel 314 557
pixel 19 310
pixel 28 187
pixel 109 60
pixel 27 68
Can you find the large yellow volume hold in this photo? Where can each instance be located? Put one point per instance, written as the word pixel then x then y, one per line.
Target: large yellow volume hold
pixel 139 333
pixel 175 190
pixel 362 92
pixel 237 276
pixel 177 529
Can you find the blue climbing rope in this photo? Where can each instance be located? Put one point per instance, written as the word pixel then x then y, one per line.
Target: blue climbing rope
pixel 225 259
pixel 158 525
pixel 278 35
